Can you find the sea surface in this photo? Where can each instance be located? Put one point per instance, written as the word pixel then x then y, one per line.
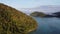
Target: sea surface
pixel 47 26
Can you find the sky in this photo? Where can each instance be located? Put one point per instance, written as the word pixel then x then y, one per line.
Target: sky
pixel 19 4
pixel 29 3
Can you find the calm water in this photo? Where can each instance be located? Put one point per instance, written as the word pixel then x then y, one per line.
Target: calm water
pixel 47 26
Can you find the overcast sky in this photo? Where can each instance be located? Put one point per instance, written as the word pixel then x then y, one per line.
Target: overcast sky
pixel 29 3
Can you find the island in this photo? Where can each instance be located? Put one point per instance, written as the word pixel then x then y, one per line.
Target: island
pixel 13 21
pixel 40 14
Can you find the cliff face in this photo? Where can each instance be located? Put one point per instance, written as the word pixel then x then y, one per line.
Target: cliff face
pixel 13 21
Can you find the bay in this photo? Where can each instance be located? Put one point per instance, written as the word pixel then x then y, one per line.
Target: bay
pixel 47 26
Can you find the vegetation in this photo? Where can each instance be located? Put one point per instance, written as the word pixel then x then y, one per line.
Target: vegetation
pixel 13 21
pixel 38 14
pixel 41 14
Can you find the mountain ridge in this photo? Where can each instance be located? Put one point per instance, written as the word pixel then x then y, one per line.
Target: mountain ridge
pixel 46 9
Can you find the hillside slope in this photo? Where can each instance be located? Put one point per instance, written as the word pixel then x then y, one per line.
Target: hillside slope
pixel 13 21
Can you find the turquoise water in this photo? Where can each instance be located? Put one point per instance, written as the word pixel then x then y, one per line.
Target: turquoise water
pixel 47 26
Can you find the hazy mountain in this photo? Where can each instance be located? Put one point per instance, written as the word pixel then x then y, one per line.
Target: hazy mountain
pixel 46 9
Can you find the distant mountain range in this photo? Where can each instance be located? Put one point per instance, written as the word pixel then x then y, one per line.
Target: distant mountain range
pixel 41 14
pixel 46 9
